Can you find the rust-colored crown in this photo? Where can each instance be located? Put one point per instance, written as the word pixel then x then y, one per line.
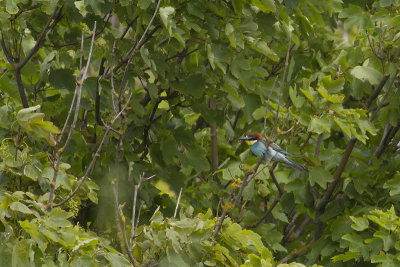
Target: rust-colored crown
pixel 256 135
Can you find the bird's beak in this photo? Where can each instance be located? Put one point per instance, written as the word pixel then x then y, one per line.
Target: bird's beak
pixel 244 138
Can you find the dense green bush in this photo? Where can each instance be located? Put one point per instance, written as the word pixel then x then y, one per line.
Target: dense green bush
pixel 119 124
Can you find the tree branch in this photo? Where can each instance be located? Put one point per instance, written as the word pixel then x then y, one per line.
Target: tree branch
pixel 177 203
pixel 35 48
pixel 319 209
pixel 276 201
pixel 214 145
pixel 239 195
pixel 378 90
pixel 72 128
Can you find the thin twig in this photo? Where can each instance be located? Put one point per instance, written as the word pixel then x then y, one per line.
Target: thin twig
pixel 113 92
pixel 127 28
pixel 72 128
pixel 119 213
pixel 137 187
pixel 138 44
pixel 276 201
pixel 238 196
pixel 39 40
pixel 267 106
pixel 177 203
pixel 282 86
pixel 385 96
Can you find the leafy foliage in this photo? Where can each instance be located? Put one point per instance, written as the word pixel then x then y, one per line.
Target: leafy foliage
pixel 98 95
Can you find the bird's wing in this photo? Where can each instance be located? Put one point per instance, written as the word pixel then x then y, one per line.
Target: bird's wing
pixel 277 148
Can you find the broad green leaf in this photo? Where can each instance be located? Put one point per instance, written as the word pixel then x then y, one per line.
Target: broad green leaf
pixel 20 207
pixel 193 85
pixel 349 255
pixel 355 241
pixel 333 98
pixel 320 125
pixel 369 74
pixel 264 5
pixel 32 172
pixel 237 5
pixel 343 125
pixel 307 94
pixel 11 7
pixel 360 223
pixel 165 14
pixel 262 47
pixel 117 260
pixel 394 185
pixel 58 218
pixel 333 86
pixel 320 176
pixel 62 79
pixel 20 254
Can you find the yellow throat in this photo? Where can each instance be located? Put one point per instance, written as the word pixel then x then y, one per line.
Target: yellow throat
pixel 251 142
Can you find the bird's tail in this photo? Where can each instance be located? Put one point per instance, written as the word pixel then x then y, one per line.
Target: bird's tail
pixel 295 165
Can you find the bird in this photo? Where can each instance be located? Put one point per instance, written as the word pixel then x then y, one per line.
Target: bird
pixel 258 145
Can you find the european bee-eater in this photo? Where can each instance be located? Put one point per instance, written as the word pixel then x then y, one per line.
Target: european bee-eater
pixel 258 145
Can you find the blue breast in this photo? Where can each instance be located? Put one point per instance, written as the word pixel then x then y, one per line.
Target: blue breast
pixel 258 149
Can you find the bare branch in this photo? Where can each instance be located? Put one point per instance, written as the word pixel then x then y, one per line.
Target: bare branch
pixel 137 187
pixel 267 106
pixel 377 90
pixel 319 209
pixel 5 50
pixel 385 96
pixel 239 195
pixel 35 48
pixel 138 44
pixel 317 147
pixel 118 208
pixel 72 128
pixel 177 203
pixel 214 145
pixel 128 27
pixel 282 86
pixel 305 142
pixel 91 164
pixel 81 57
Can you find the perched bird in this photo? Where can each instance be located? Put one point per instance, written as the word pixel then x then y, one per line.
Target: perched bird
pixel 258 145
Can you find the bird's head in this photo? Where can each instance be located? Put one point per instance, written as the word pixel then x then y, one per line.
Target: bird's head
pixel 252 138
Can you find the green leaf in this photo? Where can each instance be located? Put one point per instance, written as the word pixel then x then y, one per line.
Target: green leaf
pixel 264 5
pixel 369 74
pixel 58 218
pixel 320 125
pixel 237 5
pixel 20 207
pixel 31 172
pixel 321 176
pixel 193 85
pixel 117 260
pixel 343 125
pixel 11 7
pixel 33 123
pixel 20 255
pixel 198 161
pixel 333 86
pixel 394 185
pixel 165 14
pixel 62 79
pixel 262 47
pixel 349 255
pixel 356 242
pixel 360 223
pixel 333 98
